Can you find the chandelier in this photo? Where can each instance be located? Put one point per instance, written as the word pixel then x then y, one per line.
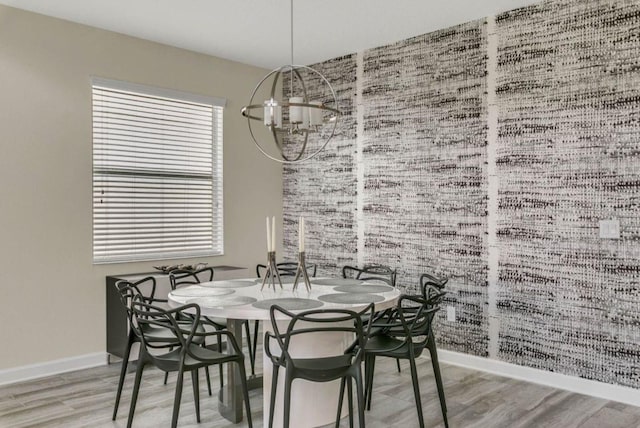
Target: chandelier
pixel 300 112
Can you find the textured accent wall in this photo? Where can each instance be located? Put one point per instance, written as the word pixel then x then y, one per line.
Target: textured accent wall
pixel 324 190
pixel 568 155
pixel 424 161
pixel 564 83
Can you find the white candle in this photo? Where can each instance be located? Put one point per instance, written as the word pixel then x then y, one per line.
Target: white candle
pixel 302 236
pixel 315 114
pixel 273 233
pixel 271 112
pixel 305 118
pixel 295 112
pixel 268 236
pixel 278 117
pixel 268 110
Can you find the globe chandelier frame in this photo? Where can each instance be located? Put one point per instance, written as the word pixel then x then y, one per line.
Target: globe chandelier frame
pixel 296 116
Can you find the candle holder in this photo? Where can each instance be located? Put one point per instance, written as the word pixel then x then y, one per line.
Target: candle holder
pixel 301 270
pixel 271 274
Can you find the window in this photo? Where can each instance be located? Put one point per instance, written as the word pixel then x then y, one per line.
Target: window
pixel 157 173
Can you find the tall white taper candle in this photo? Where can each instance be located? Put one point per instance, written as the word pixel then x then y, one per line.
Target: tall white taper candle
pixel 273 233
pixel 302 236
pixel 268 236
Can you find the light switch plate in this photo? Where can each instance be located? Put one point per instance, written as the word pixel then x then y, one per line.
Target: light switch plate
pixel 610 229
pixel 451 313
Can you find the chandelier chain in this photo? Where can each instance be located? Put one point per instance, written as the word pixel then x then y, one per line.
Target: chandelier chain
pixel 291 16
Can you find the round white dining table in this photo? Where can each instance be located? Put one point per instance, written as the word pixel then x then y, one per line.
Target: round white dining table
pixel 312 404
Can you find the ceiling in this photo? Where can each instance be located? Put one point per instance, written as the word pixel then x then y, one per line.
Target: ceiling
pixel 257 32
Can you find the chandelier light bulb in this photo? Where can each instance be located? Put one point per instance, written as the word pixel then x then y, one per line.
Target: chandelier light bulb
pixel 290 115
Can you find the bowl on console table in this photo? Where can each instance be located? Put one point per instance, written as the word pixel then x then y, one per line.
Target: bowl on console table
pixel 170 268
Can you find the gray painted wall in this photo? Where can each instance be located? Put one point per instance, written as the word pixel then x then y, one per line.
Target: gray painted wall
pixel 53 296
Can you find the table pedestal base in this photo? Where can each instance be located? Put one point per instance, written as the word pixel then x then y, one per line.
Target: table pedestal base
pixel 230 401
pixel 226 409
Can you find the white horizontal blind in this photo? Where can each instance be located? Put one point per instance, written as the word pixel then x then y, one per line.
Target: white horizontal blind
pixel 157 175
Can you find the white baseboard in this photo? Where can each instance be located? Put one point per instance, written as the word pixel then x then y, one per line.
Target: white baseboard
pixel 593 388
pixel 49 368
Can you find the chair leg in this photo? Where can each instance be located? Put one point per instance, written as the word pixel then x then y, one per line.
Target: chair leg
pixel 136 388
pixel 252 357
pixel 372 365
pixel 274 387
pixel 287 400
pixel 245 392
pixel 166 377
pixel 431 344
pixel 360 393
pixel 398 365
pixel 256 326
pixel 166 374
pixel 195 381
pixel 221 371
pixel 177 398
pixel 416 390
pixel 206 372
pixel 366 377
pixel 350 400
pixel 340 399
pixel 123 372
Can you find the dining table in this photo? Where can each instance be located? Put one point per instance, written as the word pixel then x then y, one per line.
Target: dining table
pixel 237 300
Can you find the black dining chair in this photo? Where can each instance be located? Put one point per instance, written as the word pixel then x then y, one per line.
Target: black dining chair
pixel 145 287
pixel 432 286
pixel 161 336
pixel 186 356
pixel 402 336
pixel 284 269
pixel 344 364
pixel 373 273
pixel 287 269
pixel 183 278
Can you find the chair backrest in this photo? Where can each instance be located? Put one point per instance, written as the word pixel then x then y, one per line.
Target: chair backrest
pixel 413 318
pixel 287 269
pixel 371 273
pixel 324 320
pixel 431 285
pixel 148 319
pixel 127 290
pixel 182 278
pixel 417 322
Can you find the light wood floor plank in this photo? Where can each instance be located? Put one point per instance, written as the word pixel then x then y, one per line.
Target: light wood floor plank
pixel 475 400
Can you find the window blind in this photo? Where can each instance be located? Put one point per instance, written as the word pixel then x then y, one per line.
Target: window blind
pixel 157 173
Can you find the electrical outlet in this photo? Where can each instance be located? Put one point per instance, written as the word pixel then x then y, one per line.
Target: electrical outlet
pixel 610 229
pixel 451 313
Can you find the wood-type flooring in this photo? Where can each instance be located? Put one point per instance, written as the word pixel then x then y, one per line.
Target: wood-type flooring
pixel 475 399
